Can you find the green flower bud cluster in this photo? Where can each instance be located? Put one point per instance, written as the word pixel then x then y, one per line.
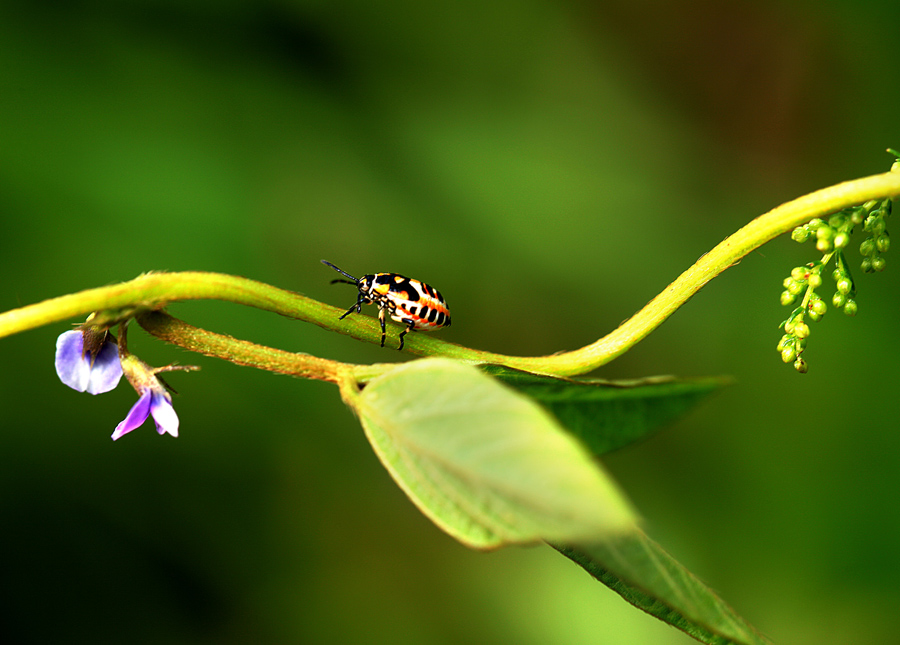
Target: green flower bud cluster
pixel 877 242
pixel 845 295
pixel 803 281
pixel 831 237
pixel 792 344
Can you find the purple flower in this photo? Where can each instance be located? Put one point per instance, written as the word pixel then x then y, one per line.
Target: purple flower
pixel 95 370
pixel 154 401
pixel 87 361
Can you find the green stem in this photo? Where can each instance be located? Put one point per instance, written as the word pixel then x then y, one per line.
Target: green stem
pixel 155 290
pixel 242 352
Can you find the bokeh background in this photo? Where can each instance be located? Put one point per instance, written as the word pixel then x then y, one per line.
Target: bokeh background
pixel 550 166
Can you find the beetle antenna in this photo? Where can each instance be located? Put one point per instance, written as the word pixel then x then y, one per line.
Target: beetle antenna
pixel 355 280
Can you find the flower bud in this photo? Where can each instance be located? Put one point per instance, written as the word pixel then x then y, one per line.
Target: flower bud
pixel 800 234
pixel 801 366
pixel 867 247
pixel 801 330
pixel 851 307
pixel 878 263
pixel 883 242
pixel 867 265
pixel 818 307
pixel 815 280
pixel 839 299
pixel 844 285
pixel 824 232
pixel 841 240
pixel 787 298
pixel 788 354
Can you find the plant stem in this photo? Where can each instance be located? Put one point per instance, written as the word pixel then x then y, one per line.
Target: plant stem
pixel 153 291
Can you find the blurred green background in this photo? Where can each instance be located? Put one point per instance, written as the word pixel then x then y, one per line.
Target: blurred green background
pixel 550 166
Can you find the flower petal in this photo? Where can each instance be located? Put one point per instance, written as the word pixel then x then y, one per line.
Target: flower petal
pixel 71 367
pixel 164 413
pixel 136 416
pixel 107 370
pixel 75 369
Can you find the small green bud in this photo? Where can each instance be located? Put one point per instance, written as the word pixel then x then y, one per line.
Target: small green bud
pixel 878 225
pixel 801 366
pixel 799 273
pixel 851 307
pixel 857 213
pixel 800 234
pixel 837 220
pixel 867 265
pixel 878 263
pixel 837 274
pixel 801 330
pixel 815 280
pixel 824 232
pixel 786 340
pixel 841 240
pixel 788 354
pixel 883 242
pixel 796 288
pixel 839 299
pixel 824 244
pixel 789 326
pixel 818 307
pixel 844 285
pixel 787 298
pixel 867 247
pixel 814 224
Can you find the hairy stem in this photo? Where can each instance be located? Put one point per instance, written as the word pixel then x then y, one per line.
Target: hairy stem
pixel 242 352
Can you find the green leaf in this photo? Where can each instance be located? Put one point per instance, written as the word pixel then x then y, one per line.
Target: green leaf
pixel 483 462
pixel 638 569
pixel 607 415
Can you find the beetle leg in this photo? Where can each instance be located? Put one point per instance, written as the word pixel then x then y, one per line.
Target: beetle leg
pixel 360 301
pixel 410 325
pixel 381 320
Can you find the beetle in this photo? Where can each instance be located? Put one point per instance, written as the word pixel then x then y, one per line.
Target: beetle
pixel 413 303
